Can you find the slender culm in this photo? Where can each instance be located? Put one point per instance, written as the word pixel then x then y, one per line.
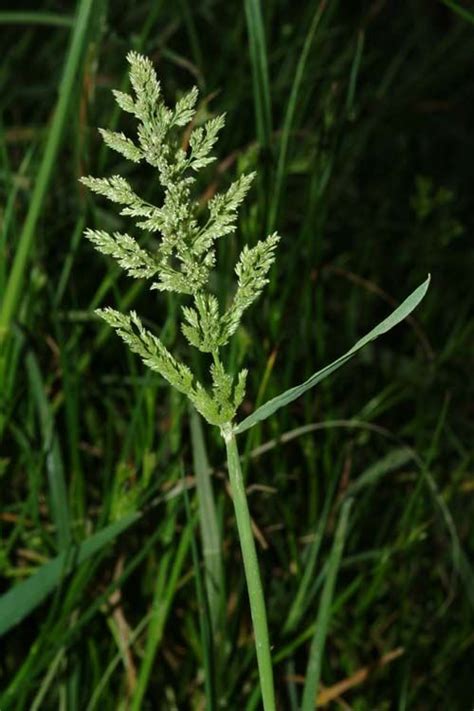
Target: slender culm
pixel 182 259
pixel 182 263
pixel 252 573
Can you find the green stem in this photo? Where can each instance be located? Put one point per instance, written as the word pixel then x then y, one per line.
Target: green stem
pixel 252 573
pixel 165 589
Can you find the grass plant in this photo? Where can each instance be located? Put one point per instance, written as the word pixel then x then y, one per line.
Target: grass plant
pixel 122 571
pixel 182 263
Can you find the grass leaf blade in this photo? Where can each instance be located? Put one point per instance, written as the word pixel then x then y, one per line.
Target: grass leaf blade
pixel 461 11
pixel 23 598
pixel 58 497
pixel 209 526
pixel 313 671
pixel 259 60
pixel 405 308
pixel 288 122
pixel 72 68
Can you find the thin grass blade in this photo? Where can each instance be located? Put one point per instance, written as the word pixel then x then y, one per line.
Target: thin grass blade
pixel 410 303
pixel 463 12
pixel 51 19
pixel 204 617
pixel 395 459
pixel 300 602
pixel 259 60
pixel 290 115
pixel 52 451
pixel 313 672
pixel 355 68
pixel 165 590
pixel 209 525
pixel 13 291
pixel 23 598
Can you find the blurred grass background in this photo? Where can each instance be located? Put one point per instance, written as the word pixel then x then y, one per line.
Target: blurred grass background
pixel 358 118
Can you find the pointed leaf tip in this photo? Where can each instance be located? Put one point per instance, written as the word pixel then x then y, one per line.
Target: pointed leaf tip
pixel 398 315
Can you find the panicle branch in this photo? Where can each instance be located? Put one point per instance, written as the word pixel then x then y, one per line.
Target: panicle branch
pixel 185 255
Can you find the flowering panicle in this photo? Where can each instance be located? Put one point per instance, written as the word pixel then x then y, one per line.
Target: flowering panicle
pixel 185 255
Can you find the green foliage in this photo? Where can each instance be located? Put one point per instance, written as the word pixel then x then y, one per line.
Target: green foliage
pixel 185 257
pixel 404 589
pixel 284 399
